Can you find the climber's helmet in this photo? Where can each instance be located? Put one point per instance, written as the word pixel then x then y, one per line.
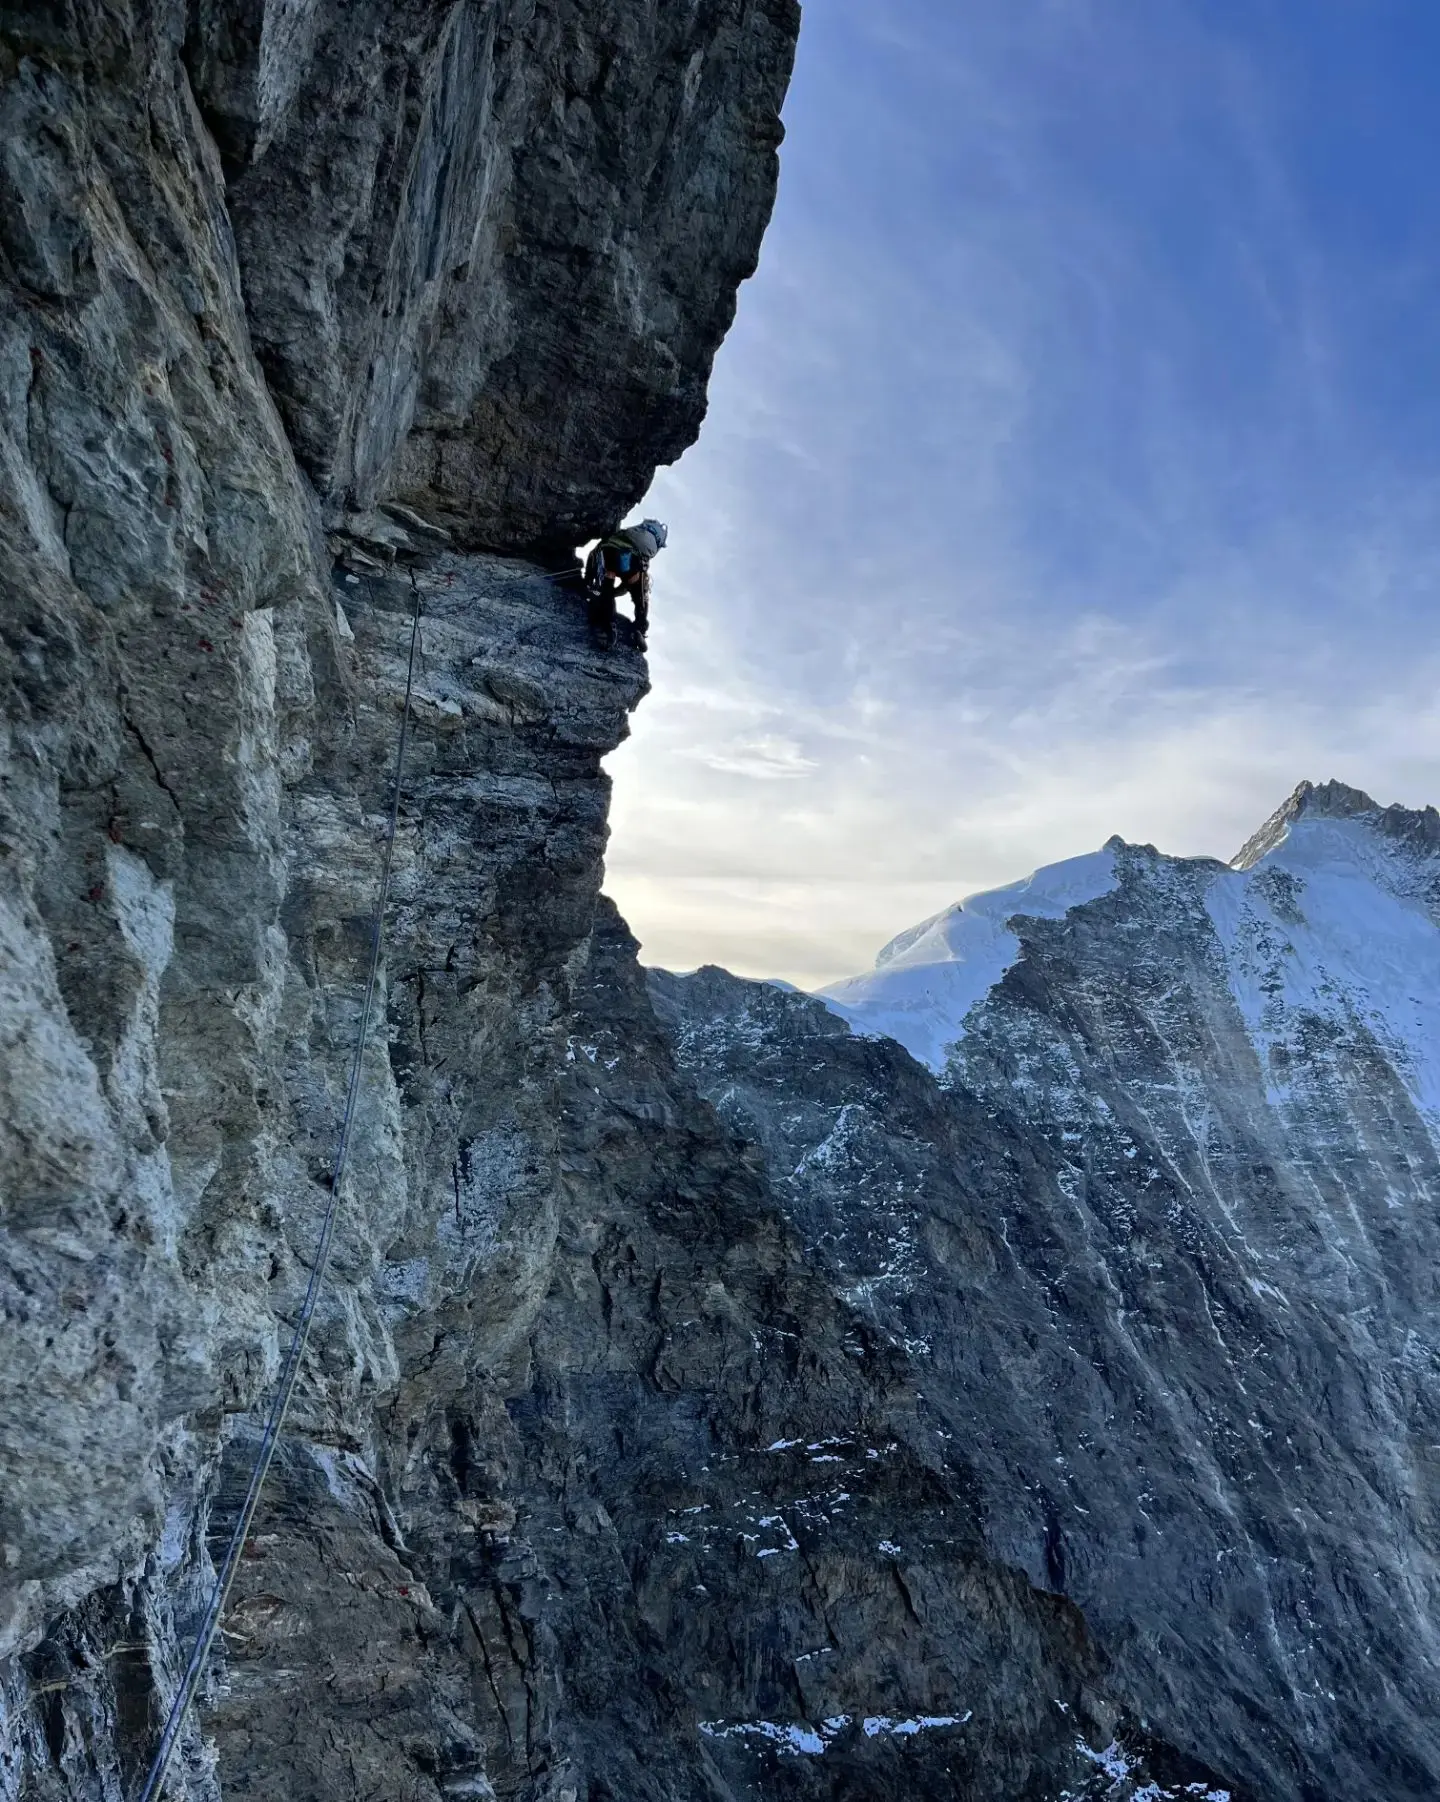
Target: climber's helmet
pixel 656 530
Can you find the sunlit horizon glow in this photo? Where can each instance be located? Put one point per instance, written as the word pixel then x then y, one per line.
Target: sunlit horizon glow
pixel 1071 470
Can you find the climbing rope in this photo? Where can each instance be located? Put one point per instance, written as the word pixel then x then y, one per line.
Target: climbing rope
pixel 279 1407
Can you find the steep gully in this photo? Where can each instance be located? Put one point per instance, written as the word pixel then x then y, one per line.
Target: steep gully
pixel 595 1486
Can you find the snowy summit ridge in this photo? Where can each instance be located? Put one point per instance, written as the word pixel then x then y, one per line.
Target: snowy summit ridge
pixel 1332 908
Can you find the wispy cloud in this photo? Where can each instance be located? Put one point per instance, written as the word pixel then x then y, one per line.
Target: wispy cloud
pixel 766 758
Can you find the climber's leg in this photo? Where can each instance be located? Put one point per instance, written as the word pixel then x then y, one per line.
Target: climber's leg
pixel 601 599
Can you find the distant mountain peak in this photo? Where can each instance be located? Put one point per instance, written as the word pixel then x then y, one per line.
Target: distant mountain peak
pixel 1419 828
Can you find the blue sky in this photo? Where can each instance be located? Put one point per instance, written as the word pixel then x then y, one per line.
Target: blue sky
pixel 1073 467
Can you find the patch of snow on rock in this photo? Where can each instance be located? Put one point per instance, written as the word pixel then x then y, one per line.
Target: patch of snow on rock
pixel 799 1739
pixel 921 1723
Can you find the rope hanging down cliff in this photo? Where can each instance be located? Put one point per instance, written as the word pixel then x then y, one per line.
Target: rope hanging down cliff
pixel 279 1407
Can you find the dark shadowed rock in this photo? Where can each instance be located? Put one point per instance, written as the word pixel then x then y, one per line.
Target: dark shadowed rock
pixel 1163 1243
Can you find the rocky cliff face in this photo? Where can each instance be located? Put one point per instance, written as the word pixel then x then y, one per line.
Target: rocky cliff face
pixel 1158 1227
pixel 594 1487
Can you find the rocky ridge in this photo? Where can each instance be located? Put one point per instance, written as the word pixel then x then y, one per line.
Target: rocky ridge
pixel 1158 1226
pixel 594 1487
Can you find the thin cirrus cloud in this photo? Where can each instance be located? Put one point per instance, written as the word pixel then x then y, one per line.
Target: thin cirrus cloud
pixel 766 757
pixel 1072 468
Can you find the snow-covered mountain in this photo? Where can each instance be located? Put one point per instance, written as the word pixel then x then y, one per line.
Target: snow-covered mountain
pixel 1330 913
pixel 1156 1218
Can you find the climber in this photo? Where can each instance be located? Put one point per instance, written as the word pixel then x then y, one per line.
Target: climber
pixel 620 564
